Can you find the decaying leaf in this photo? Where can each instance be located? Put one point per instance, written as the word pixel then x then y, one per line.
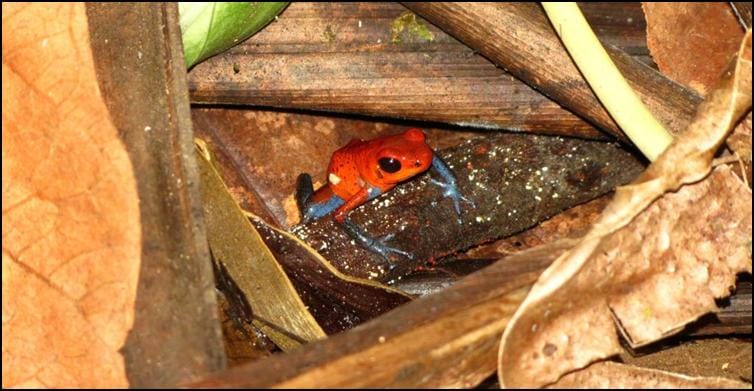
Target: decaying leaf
pixel 713 357
pixel 653 262
pixel 338 301
pixel 266 264
pixel 692 42
pixel 607 375
pixel 71 228
pixel 572 223
pixel 277 309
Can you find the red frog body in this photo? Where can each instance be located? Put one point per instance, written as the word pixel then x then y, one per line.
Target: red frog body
pixel 363 170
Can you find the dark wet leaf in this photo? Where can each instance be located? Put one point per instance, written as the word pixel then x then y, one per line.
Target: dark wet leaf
pixel 338 302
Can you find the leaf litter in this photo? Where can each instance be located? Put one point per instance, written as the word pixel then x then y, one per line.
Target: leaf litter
pixel 663 250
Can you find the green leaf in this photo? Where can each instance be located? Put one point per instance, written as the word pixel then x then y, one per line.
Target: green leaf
pixel 210 28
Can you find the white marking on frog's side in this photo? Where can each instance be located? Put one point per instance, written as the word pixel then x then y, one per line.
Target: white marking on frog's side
pixel 334 179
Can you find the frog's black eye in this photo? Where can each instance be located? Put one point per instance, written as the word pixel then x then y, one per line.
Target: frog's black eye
pixel 389 164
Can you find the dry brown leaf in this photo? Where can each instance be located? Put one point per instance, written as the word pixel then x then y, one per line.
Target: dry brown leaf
pixel 717 357
pixel 71 230
pixel 236 245
pixel 652 263
pixel 740 144
pixel 613 375
pixel 692 42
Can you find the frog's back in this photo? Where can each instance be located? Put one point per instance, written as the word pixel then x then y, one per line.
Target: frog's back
pixel 343 173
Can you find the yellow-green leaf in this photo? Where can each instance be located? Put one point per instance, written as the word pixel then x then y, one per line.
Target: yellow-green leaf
pixel 277 309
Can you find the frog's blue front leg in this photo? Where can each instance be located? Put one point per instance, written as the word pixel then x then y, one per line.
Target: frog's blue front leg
pixel 449 186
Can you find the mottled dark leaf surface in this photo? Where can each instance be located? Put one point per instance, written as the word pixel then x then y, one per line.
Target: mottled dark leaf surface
pixel 336 301
pixel 515 180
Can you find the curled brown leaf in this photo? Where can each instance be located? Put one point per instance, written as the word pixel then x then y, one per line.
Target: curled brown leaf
pixel 653 262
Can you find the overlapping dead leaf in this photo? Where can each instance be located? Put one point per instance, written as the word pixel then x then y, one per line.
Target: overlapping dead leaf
pixel 661 252
pixel 614 375
pixel 277 310
pixel 283 287
pixel 679 35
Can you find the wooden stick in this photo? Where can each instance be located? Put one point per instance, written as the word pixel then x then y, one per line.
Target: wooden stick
pixel 175 333
pixel 359 70
pixel 449 339
pixel 518 37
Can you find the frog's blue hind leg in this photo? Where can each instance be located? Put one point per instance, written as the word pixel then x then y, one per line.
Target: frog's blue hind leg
pixel 313 210
pixel 304 191
pixel 375 245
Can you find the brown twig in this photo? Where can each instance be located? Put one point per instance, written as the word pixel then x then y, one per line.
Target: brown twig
pixel 518 37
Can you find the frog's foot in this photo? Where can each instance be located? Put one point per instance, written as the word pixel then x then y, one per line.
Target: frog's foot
pixel 450 190
pixel 304 191
pixel 376 245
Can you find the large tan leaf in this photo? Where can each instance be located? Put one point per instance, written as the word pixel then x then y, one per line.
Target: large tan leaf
pixel 71 230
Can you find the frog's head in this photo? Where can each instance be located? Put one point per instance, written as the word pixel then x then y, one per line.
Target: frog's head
pixel 403 156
